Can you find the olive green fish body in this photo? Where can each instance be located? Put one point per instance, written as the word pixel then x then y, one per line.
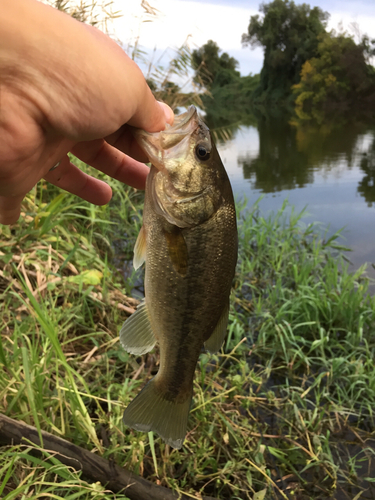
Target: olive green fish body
pixel 196 299
pixel 189 242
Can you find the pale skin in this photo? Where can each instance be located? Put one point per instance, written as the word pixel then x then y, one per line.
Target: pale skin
pixel 67 87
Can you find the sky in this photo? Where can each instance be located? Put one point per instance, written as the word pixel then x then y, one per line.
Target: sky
pixel 223 21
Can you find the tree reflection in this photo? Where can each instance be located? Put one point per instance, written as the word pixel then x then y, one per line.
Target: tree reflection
pixel 290 152
pixel 366 187
pixel 224 122
pixel 330 144
pixel 279 164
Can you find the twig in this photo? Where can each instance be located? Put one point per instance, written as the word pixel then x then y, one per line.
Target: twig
pixel 95 468
pixel 277 436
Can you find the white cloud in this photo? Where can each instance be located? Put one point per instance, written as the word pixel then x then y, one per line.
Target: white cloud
pixel 345 20
pixel 178 20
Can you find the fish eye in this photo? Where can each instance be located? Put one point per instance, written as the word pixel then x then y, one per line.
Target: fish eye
pixel 202 152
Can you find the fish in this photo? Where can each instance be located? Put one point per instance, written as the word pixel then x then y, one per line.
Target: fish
pixel 189 244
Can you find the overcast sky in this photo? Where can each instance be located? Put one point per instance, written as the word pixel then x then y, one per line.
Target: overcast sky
pixel 222 21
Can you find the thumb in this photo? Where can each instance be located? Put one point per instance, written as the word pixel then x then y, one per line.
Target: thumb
pixel 10 209
pixel 167 112
pixel 152 115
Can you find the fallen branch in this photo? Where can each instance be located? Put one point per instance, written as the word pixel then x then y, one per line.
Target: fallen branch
pixel 95 468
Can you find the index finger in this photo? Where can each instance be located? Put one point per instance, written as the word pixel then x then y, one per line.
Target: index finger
pixel 113 162
pixel 10 209
pixel 70 178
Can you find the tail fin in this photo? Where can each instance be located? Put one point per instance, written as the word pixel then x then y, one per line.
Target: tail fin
pixel 149 411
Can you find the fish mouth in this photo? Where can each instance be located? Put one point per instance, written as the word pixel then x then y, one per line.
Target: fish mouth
pixel 181 120
pixel 171 142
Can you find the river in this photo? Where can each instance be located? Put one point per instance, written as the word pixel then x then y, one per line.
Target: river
pixel 329 169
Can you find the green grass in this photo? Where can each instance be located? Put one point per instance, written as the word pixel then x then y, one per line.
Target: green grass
pixel 286 410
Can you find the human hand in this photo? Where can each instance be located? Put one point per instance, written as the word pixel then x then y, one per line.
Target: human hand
pixel 67 87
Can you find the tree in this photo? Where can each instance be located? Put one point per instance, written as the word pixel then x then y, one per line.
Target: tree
pixel 337 79
pixel 288 34
pixel 212 69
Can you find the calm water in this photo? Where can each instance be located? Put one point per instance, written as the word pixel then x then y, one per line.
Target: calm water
pixel 331 171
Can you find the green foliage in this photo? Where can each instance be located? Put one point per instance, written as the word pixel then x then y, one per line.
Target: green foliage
pixel 338 78
pixel 229 106
pixel 212 69
pixel 288 34
pixel 297 361
pixel 229 98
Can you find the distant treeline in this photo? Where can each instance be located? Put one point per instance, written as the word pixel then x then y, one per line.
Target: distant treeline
pixel 305 67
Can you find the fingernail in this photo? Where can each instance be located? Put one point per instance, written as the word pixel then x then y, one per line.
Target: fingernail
pixel 168 113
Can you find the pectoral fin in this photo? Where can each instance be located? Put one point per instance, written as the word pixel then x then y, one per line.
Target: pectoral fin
pixel 216 340
pixel 136 335
pixel 140 249
pixel 177 249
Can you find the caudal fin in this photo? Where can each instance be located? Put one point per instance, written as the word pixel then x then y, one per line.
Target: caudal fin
pixel 149 411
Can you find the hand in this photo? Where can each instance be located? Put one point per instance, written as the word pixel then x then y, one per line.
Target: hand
pixel 65 86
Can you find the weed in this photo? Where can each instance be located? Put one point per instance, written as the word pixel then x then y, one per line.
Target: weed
pixel 295 374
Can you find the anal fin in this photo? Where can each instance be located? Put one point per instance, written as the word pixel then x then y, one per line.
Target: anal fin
pixel 136 335
pixel 216 340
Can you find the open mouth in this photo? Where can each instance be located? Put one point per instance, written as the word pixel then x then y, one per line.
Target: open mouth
pixel 170 142
pixel 181 121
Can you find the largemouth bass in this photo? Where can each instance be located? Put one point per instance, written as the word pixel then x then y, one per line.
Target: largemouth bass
pixel 189 242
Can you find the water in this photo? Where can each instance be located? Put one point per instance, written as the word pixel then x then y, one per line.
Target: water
pixel 328 169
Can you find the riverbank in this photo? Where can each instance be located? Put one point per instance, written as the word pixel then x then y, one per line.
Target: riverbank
pixel 287 408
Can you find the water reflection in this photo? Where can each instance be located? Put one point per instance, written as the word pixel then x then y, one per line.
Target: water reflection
pixel 366 187
pixel 328 168
pixel 279 165
pixel 289 154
